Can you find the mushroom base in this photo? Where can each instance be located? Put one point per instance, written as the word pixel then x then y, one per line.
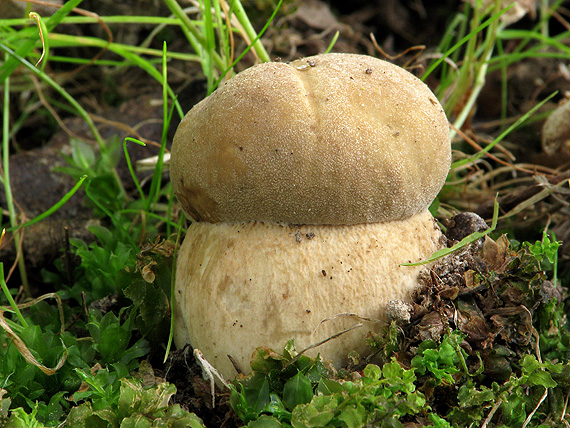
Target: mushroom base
pixel 241 286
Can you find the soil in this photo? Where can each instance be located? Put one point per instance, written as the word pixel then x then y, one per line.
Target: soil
pixel 128 103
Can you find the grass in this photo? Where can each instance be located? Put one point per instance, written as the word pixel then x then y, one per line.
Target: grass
pixel 67 357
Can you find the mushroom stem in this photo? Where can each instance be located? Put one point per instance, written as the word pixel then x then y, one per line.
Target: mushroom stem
pixel 240 286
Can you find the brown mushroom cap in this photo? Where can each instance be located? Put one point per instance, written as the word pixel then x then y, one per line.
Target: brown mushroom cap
pixel 328 139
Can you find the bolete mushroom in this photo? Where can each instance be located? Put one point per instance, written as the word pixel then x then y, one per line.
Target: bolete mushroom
pixel 308 183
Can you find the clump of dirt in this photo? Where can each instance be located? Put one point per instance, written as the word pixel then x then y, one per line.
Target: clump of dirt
pixel 492 293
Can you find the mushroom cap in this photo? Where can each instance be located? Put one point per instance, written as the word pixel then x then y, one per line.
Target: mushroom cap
pixel 328 139
pixel 240 286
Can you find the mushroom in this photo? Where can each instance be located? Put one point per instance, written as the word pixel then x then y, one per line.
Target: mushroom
pixel 309 184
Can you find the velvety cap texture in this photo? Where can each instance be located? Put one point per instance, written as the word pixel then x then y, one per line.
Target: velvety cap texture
pixel 328 139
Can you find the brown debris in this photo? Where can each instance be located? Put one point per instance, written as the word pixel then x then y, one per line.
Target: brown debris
pixel 488 291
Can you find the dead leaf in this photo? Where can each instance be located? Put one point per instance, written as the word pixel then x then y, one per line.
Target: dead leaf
pixel 518 10
pixel 25 352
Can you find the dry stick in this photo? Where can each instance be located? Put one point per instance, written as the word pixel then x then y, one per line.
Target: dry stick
pixel 41 3
pixel 230 32
pixel 511 201
pixel 49 108
pixel 44 297
pixel 345 314
pixel 19 252
pixel 529 417
pixel 491 414
pixel 314 345
pixel 565 407
pixel 472 143
pixel 127 128
pixel 562 417
pixel 547 190
pixel 36 18
pixel 419 48
pixel 235 364
pixel 534 332
pixel 560 19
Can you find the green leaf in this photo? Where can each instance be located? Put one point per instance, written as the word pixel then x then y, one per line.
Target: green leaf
pixel 541 378
pixel 514 411
pixel 353 416
pixel 156 398
pixel 289 350
pixel 252 398
pixel 20 419
pixel 129 398
pixel 111 338
pixel 438 422
pixel 318 413
pixel 529 364
pixel 373 372
pixel 265 421
pixel 391 423
pixel 83 416
pixel 257 394
pixel 137 421
pixel 276 408
pixel 297 390
pixel 469 396
pixel 79 414
pixel 180 418
pixel 328 386
pixel 439 361
pixel 151 301
pixel 265 360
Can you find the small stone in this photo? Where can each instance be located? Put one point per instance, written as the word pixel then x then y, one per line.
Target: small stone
pixel 464 224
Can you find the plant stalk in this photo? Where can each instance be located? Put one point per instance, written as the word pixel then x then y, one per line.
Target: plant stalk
pixel 8 188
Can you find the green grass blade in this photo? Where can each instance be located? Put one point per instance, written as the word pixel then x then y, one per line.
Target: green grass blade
pixel 172 287
pixel 9 296
pixel 130 165
pixel 474 33
pixel 209 46
pixel 223 33
pixel 61 91
pixel 6 182
pixel 333 41
pixel 53 208
pixel 243 19
pixel 506 132
pixel 192 33
pixel 152 215
pixel 253 43
pixel 166 117
pixel 127 53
